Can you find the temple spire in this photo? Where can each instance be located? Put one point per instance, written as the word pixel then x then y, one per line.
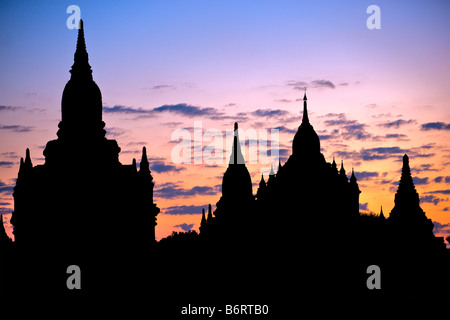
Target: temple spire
pixel 209 212
pixel 81 67
pixel 203 222
pixel 353 178
pixel 144 166
pixel 381 213
pixel 406 181
pixel 27 162
pixel 342 171
pixel 305 119
pixel 236 153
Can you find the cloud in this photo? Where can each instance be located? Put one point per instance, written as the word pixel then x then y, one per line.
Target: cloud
pixel 326 136
pixel 6 164
pixel 187 110
pixel 5 211
pixel 182 109
pixel 348 129
pixel 322 84
pixel 397 123
pixel 8 108
pixel 269 113
pixel 297 85
pixel 424 167
pixel 170 190
pixel 439 192
pixel 285 100
pixel 16 128
pixel 381 153
pixel 125 110
pixel 420 181
pixel 114 132
pixel 438 179
pixel 365 175
pixel 6 189
pixel 356 131
pixel 286 130
pixel 164 87
pixel 431 199
pixel 160 166
pixel 178 210
pixel 399 137
pixel 435 126
pixel 441 228
pixel 186 227
pixel 364 206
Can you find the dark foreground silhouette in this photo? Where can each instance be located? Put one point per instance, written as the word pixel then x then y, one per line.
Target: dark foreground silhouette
pixel 301 237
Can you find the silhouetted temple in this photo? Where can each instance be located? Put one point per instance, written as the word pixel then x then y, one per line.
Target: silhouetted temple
pixel 305 220
pixel 300 237
pixel 304 189
pixel 71 210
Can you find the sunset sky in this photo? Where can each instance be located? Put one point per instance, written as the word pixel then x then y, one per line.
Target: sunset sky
pixel 373 95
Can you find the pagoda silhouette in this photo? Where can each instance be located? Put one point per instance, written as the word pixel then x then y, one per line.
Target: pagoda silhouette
pixel 300 237
pixel 71 210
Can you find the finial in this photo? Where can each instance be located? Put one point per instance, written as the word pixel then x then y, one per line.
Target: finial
pixel 305 119
pixel 271 170
pixel 144 152
pixel 236 153
pixel 203 217
pixel 342 171
pixel 144 166
pixel 81 65
pixel 381 213
pixel 28 158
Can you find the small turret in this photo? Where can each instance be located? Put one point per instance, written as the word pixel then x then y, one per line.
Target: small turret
pixel 144 166
pixel 236 153
pixel 261 193
pixel 342 170
pixel 334 166
pixel 271 173
pixel 381 214
pixel 279 166
pixel 27 163
pixel 210 216
pixel 353 178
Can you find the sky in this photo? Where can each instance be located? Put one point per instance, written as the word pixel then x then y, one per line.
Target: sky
pixel 166 67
